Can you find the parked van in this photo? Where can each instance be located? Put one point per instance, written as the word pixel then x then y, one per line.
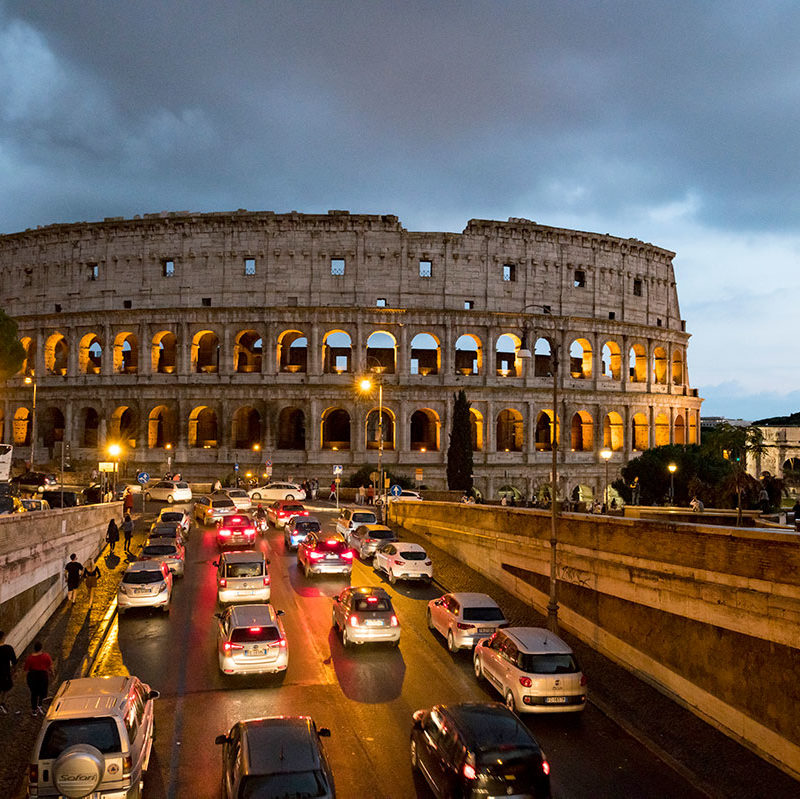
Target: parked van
pixel 95 741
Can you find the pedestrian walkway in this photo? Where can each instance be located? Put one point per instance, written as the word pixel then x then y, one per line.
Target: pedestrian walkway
pixel 67 636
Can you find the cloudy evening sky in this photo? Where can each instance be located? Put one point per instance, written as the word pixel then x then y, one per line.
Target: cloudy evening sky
pixel 677 123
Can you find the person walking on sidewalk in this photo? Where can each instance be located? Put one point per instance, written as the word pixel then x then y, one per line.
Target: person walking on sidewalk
pixel 127 501
pixel 91 574
pixel 8 659
pixel 112 535
pixel 127 531
pixel 72 573
pixel 39 670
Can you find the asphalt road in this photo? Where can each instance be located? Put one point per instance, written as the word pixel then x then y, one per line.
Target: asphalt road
pixel 365 696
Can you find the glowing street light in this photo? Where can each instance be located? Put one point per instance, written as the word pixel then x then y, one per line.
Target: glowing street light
pixel 672 469
pixel 606 454
pixel 366 385
pixel 31 381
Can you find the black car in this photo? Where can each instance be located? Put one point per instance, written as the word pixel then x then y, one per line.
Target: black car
pixel 33 481
pixel 478 749
pixel 71 497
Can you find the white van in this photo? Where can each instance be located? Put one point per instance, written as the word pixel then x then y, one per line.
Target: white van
pixel 95 741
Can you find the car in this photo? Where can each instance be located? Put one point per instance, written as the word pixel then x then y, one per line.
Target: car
pixel 478 749
pixel 251 640
pixel 366 538
pixel 464 618
pixel 242 577
pixel 298 528
pixel 321 553
pixel 275 756
pixel 168 491
pixel 350 518
pixel 273 491
pixel 96 739
pixel 31 482
pixel 403 561
pixel 282 511
pixel 120 489
pixel 178 515
pixel 240 498
pixel 532 669
pixel 63 498
pixel 209 510
pixel 162 529
pixel 365 614
pixel 165 550
pixel 406 495
pixel 35 504
pixel 145 584
pixel 93 494
pixel 236 531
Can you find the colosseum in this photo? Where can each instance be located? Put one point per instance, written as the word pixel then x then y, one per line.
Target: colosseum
pixel 237 338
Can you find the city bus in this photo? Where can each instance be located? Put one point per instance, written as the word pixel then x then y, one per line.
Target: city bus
pixel 6 454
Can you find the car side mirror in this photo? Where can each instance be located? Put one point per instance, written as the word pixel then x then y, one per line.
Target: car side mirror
pixel 279 612
pixel 418 717
pixel 324 732
pixel 216 563
pixel 218 616
pixel 153 695
pixel 221 739
pixel 438 602
pixel 268 561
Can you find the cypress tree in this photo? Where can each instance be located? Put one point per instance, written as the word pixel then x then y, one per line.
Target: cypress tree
pixel 459 453
pixel 12 353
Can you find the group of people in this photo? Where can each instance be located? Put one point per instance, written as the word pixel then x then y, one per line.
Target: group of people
pixel 365 495
pixel 113 533
pixel 38 668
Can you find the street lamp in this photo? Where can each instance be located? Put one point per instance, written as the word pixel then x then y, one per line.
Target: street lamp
pixel 115 450
pixel 672 468
pixel 366 385
pixel 606 454
pixel 31 381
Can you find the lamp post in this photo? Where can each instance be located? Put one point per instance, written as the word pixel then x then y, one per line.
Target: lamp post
pixel 606 454
pixel 672 468
pixel 114 450
pixel 31 381
pixel 168 448
pixel 366 385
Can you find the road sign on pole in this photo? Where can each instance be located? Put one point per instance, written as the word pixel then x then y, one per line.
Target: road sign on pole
pixel 395 490
pixel 337 470
pixel 143 478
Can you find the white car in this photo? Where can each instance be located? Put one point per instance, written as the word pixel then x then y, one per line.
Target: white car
pixel 406 495
pixel 145 584
pixel 240 498
pixel 273 491
pixel 251 640
pixel 403 561
pixel 464 618
pixel 168 491
pixel 532 669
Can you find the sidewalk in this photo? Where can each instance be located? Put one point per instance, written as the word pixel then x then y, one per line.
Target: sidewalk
pixel 68 636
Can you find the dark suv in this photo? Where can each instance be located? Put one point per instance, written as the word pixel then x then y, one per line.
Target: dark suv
pixel 479 749
pixel 33 481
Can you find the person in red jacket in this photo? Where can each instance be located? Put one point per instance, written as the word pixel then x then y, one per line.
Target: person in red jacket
pixel 39 669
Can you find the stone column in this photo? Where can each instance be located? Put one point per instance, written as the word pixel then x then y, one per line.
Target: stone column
pixel 448 354
pixel 73 353
pixel 183 349
pixel 314 351
pixel 145 364
pixel 359 350
pixel 225 344
pixel 490 433
pixel 269 350
pixel 39 358
pixel 107 362
pixel 625 364
pixel 313 429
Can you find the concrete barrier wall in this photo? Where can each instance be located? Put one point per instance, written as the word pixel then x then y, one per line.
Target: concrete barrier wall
pixel 34 547
pixel 709 615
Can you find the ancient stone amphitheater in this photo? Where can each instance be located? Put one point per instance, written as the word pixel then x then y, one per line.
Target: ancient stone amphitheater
pixel 224 338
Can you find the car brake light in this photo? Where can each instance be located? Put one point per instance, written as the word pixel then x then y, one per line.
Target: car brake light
pixel 462 626
pixel 228 646
pixel 127 765
pixel 236 520
pixel 429 563
pixel 525 682
pixel 347 555
pixel 282 643
pixel 468 771
pixel 250 531
pixel 33 773
pixel 369 540
pixel 315 555
pixel 394 621
pixel 354 621
pixel 545 767
pixel 266 579
pixel 583 679
pixel 372 600
pixel 222 582
pixel 255 629
pixel 224 532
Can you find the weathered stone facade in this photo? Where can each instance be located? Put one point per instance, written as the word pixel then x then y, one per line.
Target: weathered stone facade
pixel 236 337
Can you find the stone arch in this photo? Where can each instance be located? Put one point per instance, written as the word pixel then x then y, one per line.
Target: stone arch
pixel 680 429
pixel 424 424
pixel 580 359
pixel 637 364
pixel 660 366
pixel 164 353
pixel 640 436
pixel 382 352
pixel 21 434
pixel 662 430
pixel 677 367
pixel 582 432
pixel 292 352
pixel 124 425
pixel 51 427
pixel 426 355
pixel 613 431
pixel 205 352
pixel 246 429
pixel 126 353
pixel 161 427
pixel 335 428
pixel 203 428
pixel 507 364
pixel 611 362
pixel 90 355
pixel 510 431
pixel 476 429
pixel 89 428
pixel 248 351
pixel 29 362
pixel 291 428
pixel 543 358
pixel 693 428
pixel 544 431
pixel 337 352
pixel 56 354
pixel 371 427
pixel 469 355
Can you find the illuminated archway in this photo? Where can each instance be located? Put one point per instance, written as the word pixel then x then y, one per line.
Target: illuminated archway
pixel 29 362
pixel 247 352
pixel 203 428
pixel 637 364
pixel 246 428
pixel 662 430
pixel 582 432
pixel 660 366
pixel 580 359
pixel 161 427
pixel 613 431
pixel 510 431
pixel 641 438
pixel 382 352
pixel 292 352
pixel 506 362
pixel 544 431
pixel 469 355
pixel 126 353
pixel 611 364
pixel 337 352
pixel 476 429
pixel 205 352
pixel 335 429
pixel 90 355
pixel 387 429
pixel 163 352
pixel 680 429
pixel 543 358
pixel 677 368
pixel 22 427
pixel 424 425
pixel 426 355
pixel 123 426
pixel 56 354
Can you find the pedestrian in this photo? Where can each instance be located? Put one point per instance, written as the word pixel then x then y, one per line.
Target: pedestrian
pixel 8 659
pixel 362 495
pixel 112 536
pixel 332 495
pixel 39 669
pixel 217 485
pixel 127 501
pixel 72 574
pixel 91 574
pixel 127 531
pixel 763 499
pixel 796 510
pixel 371 494
pixel 314 488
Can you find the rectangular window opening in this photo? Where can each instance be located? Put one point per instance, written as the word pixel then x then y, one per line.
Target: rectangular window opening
pixel 94 271
pixel 127 304
pixel 612 314
pixel 509 273
pixel 58 307
pixel 580 279
pixel 381 302
pixel 425 269
pixel 206 302
pixel 337 266
pixel 249 266
pixel 469 305
pixel 168 268
pixel 658 323
pixel 637 287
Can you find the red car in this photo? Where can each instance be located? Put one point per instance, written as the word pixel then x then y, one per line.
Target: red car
pixel 236 531
pixel 280 513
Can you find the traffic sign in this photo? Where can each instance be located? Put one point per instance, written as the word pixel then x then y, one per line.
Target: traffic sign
pixel 374 477
pixel 143 478
pixel 268 464
pixel 337 469
pixel 395 490
pixel 418 475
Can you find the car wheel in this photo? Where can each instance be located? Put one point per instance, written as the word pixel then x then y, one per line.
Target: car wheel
pixel 289 496
pixel 476 663
pixel 333 622
pixel 510 703
pixel 430 620
pixel 346 642
pixel 451 642
pixel 392 578
pixel 256 496
pixel 414 754
pixel 170 499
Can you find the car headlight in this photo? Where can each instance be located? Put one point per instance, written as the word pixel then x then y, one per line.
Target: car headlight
pixel 122 588
pixel 163 586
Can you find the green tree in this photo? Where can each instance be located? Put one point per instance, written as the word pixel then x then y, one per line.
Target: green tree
pixel 459 453
pixel 12 353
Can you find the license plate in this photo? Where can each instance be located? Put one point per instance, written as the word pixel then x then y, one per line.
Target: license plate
pixel 257 652
pixel 555 700
pixel 141 590
pixel 331 557
pixel 486 630
pixel 240 593
pixel 374 623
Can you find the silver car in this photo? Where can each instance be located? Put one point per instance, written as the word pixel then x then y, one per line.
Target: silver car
pixel 251 640
pixel 365 614
pixel 464 618
pixel 242 577
pixel 145 584
pixel 165 550
pixel 366 538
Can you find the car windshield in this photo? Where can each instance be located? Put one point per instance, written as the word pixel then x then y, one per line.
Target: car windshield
pixel 254 634
pixel 143 577
pixel 284 786
pixel 364 518
pixel 102 733
pixel 330 545
pixel 159 549
pixel 164 531
pixel 412 554
pixel 181 485
pixel 237 492
pixel 382 534
pixel 245 569
pixel 483 614
pixel 172 516
pixel 372 603
pixel 306 527
pixel 293 508
pixel 496 760
pixel 547 664
pixel 222 503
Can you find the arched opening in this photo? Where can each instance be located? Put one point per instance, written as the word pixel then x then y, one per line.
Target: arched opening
pixel 662 430
pixel 680 429
pixel 677 368
pixel 163 353
pixel 692 428
pixel 424 430
pixel 613 432
pixel 337 353
pixel 90 355
pixel 476 428
pixel 425 355
pixel 611 364
pixel 246 428
pixel 582 432
pixel 205 352
pixel 510 432
pixel 637 364
pixel 291 429
pixel 387 429
pixel 123 426
pixel 660 366
pixel 247 352
pixel 641 439
pixel 506 362
pixel 292 352
pixel 51 427
pixel 580 359
pixel 382 353
pixel 161 427
pixel 791 473
pixel 56 355
pixel 29 362
pixel 89 428
pixel 126 354
pixel 543 358
pixel 203 430
pixel 469 355
pixel 22 427
pixel 544 431
pixel 335 429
